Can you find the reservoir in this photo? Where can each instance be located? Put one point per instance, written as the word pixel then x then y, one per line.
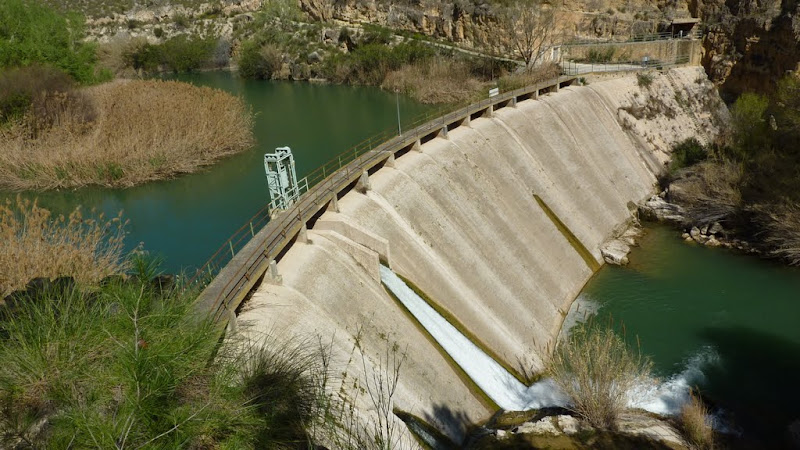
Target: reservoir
pixel 185 220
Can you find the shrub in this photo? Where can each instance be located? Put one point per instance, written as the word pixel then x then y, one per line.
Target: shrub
pixel 185 54
pixel 144 130
pixel 749 123
pixel 33 33
pixel 370 63
pixel 644 80
pixel 687 153
pixel 178 54
pixel 259 62
pixel 41 97
pixel 37 244
pixel 597 370
pixel 600 55
pixel 696 423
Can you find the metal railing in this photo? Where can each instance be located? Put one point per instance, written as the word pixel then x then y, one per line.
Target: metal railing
pixel 574 68
pixel 696 33
pixel 262 239
pixel 242 236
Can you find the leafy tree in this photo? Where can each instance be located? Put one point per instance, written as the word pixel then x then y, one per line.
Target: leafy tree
pixel 749 122
pixel 31 32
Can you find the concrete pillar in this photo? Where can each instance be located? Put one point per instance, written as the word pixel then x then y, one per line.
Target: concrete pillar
pixel 302 237
pixel 467 120
pixel 334 204
pixel 443 132
pixel 557 87
pixel 363 182
pixel 489 112
pixel 272 276
pixel 513 102
pixel 417 147
pixel 536 94
pixel 390 160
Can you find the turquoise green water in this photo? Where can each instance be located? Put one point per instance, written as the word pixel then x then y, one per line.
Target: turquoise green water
pixel 186 219
pixel 733 316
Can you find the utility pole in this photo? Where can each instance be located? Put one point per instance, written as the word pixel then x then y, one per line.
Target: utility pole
pixel 397 101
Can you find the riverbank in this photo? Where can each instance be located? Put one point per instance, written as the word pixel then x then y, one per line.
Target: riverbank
pixel 119 134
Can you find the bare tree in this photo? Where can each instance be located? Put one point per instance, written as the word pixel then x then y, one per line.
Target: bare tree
pixel 531 25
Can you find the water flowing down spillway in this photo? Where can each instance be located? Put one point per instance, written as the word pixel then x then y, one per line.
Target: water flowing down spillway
pixel 502 387
pixel 506 390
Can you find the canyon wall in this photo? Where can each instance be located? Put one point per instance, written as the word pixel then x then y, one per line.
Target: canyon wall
pixel 500 223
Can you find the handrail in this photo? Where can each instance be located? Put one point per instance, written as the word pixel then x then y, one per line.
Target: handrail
pixel 253 253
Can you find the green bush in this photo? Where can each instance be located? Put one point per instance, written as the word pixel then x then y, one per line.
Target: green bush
pixel 183 54
pixel 749 123
pixel 33 33
pixel 258 62
pixel 687 153
pixel 644 80
pixel 369 63
pixel 178 54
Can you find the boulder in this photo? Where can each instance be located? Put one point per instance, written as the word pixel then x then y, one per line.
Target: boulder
pixel 314 57
pixel 659 210
pixel 615 252
pixel 715 228
pixel 543 426
pixel 568 424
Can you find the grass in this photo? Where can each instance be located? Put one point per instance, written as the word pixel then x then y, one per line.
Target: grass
pixel 596 369
pixel 36 244
pixel 130 363
pixel 125 366
pixel 143 131
pixel 696 424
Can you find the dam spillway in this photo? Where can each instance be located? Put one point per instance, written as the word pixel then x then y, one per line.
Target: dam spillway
pixel 461 219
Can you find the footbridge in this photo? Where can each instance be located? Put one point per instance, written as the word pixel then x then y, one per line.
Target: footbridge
pixel 252 252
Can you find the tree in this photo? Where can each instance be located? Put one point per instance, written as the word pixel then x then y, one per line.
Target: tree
pixel 531 25
pixel 32 33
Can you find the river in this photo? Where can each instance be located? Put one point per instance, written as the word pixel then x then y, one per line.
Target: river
pixel 725 322
pixel 184 220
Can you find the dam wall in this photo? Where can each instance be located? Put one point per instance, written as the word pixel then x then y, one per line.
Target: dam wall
pixel 499 222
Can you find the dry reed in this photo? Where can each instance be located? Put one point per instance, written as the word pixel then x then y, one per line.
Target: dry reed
pixel 37 244
pixel 434 81
pixel 143 131
pixel 696 424
pixel 595 368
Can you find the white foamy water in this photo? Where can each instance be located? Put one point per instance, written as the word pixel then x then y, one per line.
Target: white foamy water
pixel 503 388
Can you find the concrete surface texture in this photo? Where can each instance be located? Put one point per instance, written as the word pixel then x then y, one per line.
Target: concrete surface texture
pixel 462 223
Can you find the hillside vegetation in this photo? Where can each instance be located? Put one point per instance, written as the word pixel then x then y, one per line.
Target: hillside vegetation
pixel 57 133
pixel 751 185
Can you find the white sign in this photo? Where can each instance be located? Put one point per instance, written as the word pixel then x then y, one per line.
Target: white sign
pixel 493 92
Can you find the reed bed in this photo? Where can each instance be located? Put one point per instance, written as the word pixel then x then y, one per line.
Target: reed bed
pixel 37 244
pixel 142 131
pixel 435 81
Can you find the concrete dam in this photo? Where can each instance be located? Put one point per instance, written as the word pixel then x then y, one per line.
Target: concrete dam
pixel 498 221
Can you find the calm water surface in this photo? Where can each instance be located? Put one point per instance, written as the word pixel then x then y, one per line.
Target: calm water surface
pixel 186 219
pixel 734 317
